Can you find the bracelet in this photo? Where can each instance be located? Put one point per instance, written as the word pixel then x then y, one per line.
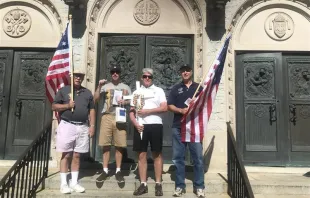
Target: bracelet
pixel 92 125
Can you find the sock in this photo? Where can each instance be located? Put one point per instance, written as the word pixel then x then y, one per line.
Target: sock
pixel 63 179
pixel 145 184
pixel 158 182
pixel 74 178
pixel 105 170
pixel 118 170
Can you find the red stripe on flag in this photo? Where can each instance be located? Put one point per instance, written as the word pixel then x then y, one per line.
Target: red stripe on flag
pixel 60 56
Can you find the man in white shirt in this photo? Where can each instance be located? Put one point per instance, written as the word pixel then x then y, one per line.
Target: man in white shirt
pixel 149 128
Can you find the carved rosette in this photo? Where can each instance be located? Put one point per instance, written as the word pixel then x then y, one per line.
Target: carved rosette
pixel 146 12
pixel 99 4
pixel 279 26
pixel 16 23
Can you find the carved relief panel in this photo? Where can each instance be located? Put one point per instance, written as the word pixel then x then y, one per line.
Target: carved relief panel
pixel 128 53
pixel 3 60
pixel 259 78
pixel 299 78
pixel 32 74
pixel 16 23
pixel 165 55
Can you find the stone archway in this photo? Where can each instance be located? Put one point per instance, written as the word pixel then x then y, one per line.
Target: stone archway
pixel 245 12
pixel 270 38
pixel 102 8
pixel 36 12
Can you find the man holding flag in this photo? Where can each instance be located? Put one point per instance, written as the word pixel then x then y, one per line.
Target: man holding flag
pixel 178 101
pixel 76 110
pixel 190 123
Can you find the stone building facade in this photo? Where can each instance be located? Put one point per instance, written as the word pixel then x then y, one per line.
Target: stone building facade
pixel 258 26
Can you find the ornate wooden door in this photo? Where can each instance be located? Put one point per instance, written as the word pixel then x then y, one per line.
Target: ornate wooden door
pixel 6 64
pixel 164 54
pixel 28 108
pixel 260 131
pixel 273 108
pixel 297 73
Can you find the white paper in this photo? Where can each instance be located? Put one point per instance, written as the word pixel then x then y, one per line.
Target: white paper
pixel 117 96
pixel 187 101
pixel 137 85
pixel 127 97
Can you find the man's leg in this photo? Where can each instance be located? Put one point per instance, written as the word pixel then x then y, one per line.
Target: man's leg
pixel 75 166
pixel 178 158
pixel 106 157
pixel 196 154
pixel 158 166
pixel 64 162
pixel 142 164
pixel 118 157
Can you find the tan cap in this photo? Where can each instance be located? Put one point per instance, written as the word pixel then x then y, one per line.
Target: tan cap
pixel 78 71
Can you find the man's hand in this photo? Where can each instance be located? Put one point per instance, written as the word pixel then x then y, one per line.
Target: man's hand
pixel 121 102
pixel 102 82
pixel 91 131
pixel 139 128
pixel 183 111
pixel 143 112
pixel 71 104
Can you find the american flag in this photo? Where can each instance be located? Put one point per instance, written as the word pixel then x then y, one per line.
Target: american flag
pixel 58 71
pixel 194 123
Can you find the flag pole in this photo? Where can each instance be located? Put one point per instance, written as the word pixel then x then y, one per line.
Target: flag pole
pixel 71 56
pixel 202 79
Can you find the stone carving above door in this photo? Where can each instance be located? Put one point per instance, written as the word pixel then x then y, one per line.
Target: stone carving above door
pixel 279 26
pixel 16 23
pixel 146 12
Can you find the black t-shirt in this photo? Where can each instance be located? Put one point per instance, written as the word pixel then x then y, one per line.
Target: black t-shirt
pixel 177 97
pixel 83 99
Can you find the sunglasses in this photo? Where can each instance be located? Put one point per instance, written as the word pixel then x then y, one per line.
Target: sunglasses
pixel 78 75
pixel 147 76
pixel 114 72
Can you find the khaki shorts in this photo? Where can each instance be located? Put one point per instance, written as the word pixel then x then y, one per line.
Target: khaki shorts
pixel 110 130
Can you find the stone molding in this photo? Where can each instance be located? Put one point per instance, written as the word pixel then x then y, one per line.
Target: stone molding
pixel 92 24
pixel 251 6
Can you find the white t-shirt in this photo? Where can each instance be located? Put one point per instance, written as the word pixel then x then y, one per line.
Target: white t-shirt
pixel 153 97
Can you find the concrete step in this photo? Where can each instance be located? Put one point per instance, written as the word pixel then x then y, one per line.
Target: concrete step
pixel 280 196
pixel 123 194
pixel 214 182
pixel 279 184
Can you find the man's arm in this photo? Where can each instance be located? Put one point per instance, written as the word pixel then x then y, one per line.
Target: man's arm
pixel 62 107
pixel 162 108
pixel 98 90
pixel 92 117
pixel 175 109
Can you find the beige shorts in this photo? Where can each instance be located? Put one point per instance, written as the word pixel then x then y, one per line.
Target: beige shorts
pixel 110 130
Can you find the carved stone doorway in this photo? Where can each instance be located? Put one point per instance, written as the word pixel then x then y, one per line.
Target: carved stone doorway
pixel 163 53
pixel 273 108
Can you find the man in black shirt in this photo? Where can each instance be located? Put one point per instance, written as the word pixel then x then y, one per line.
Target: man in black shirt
pixel 76 126
pixel 178 101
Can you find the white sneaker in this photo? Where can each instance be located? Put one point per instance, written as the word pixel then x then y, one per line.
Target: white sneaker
pixel 77 188
pixel 200 193
pixel 64 189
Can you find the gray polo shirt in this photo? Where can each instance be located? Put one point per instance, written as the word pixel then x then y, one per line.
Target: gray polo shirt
pixel 83 99
pixel 107 92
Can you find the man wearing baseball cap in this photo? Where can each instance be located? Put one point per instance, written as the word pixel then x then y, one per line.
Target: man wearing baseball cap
pixel 109 129
pixel 77 124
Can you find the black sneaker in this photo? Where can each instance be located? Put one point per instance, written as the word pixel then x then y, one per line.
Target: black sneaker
pixel 158 190
pixel 119 177
pixel 102 177
pixel 141 190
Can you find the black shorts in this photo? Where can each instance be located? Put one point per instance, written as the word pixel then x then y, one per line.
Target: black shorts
pixel 152 133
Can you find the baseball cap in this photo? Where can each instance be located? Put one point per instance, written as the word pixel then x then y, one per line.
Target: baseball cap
pixel 185 67
pixel 116 68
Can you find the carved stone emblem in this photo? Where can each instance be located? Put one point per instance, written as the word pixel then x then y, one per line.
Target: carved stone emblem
pixel 146 12
pixel 16 23
pixel 279 26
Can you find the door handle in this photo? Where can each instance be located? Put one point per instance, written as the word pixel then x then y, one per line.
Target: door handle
pixel 272 113
pixel 293 112
pixel 18 110
pixel 1 100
